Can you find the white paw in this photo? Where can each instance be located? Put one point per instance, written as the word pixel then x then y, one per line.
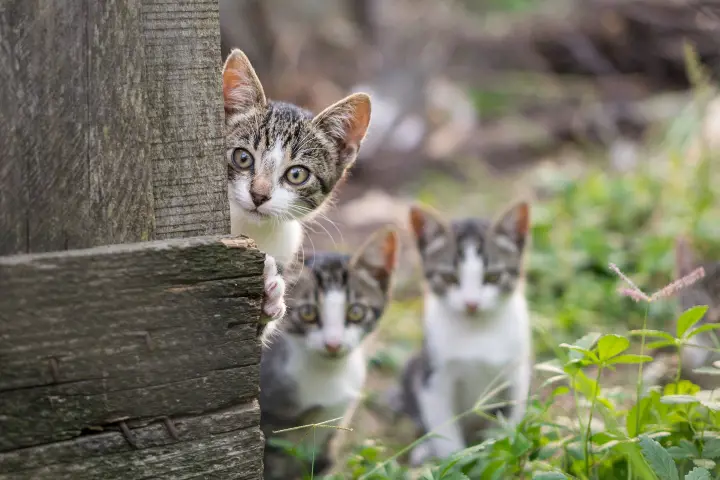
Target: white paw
pixel 420 454
pixel 274 298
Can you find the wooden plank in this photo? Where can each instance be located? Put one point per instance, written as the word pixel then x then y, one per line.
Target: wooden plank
pixel 184 96
pixel 120 176
pixel 73 169
pixel 226 444
pixel 91 337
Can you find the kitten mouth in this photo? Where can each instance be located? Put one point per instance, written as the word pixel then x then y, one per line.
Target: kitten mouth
pixel 334 355
pixel 257 215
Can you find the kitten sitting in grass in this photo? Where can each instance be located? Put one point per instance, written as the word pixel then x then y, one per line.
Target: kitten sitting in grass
pixel 315 367
pixel 706 291
pixel 283 164
pixel 476 325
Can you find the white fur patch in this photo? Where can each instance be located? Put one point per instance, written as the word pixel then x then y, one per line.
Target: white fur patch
pixel 331 383
pixel 275 158
pixel 471 357
pixel 333 328
pixel 471 289
pixel 281 239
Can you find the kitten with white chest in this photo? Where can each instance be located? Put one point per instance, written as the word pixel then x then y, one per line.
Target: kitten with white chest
pixel 315 367
pixel 283 164
pixel 704 351
pixel 476 326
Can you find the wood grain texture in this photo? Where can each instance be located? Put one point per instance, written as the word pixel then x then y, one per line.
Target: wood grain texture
pixel 225 444
pixel 89 338
pixel 184 96
pixel 73 169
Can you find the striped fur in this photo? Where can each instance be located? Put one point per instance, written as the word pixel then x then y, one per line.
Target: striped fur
pixel 283 164
pixel 314 368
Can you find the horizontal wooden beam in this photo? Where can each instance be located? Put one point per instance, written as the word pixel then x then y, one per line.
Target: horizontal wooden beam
pixel 226 444
pixel 99 338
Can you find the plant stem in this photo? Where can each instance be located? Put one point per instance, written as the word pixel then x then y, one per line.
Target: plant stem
pixel 638 391
pixel 590 417
pixel 679 367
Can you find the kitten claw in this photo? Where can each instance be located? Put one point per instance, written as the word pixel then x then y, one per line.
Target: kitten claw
pixel 274 298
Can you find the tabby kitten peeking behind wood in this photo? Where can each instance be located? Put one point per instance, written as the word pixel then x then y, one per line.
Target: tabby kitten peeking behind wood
pixel 476 325
pixel 315 367
pixel 283 164
pixel 706 291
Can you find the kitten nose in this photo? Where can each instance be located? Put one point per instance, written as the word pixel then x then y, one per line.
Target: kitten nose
pixel 471 307
pixel 332 347
pixel 259 198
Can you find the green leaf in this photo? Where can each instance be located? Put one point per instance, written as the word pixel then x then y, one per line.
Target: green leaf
pixel 629 358
pixel 711 449
pixel 611 345
pixel 658 458
pixel 455 476
pixel 659 344
pixel 550 367
pixel 652 333
pixel 678 399
pixel 586 342
pixel 549 476
pixel 689 318
pixel 584 351
pixel 698 473
pixel 704 328
pixel 555 379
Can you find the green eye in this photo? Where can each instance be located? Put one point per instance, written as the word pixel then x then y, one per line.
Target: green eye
pixel 492 277
pixel 356 313
pixel 297 175
pixel 308 313
pixel 242 159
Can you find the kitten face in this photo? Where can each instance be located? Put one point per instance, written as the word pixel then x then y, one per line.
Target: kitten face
pixel 705 291
pixel 473 265
pixel 283 162
pixel 337 300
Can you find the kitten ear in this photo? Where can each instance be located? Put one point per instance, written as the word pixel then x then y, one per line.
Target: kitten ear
pixel 346 122
pixel 432 234
pixel 378 256
pixel 514 224
pixel 241 87
pixel 684 257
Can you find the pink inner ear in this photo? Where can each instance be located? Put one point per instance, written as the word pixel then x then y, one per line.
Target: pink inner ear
pixel 522 224
pixel 390 251
pixel 359 121
pixel 417 221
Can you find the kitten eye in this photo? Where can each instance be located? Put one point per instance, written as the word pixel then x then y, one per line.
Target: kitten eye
pixel 308 313
pixel 242 159
pixel 297 175
pixel 356 312
pixel 449 278
pixel 492 277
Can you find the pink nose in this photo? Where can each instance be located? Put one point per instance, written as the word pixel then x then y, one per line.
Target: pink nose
pixel 471 307
pixel 332 347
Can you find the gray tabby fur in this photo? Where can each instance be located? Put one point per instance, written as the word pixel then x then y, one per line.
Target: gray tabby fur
pixel 301 382
pixel 460 310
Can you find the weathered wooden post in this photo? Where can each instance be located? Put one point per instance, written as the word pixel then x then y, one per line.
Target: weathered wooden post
pixel 127 338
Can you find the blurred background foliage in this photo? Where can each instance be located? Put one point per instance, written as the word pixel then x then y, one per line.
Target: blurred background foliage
pixel 603 112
